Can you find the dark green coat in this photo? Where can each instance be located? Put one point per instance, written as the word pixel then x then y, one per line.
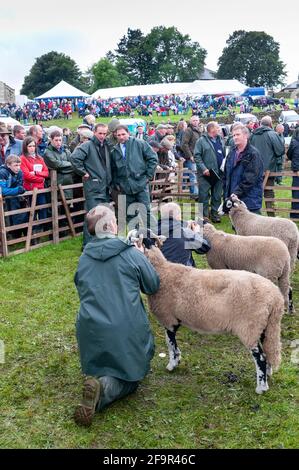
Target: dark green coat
pixel 270 146
pixel 61 162
pixel 133 173
pixel 113 329
pixel 86 159
pixel 205 155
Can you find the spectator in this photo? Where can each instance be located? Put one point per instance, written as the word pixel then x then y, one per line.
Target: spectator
pixel 293 155
pixel 11 184
pixel 133 164
pixel 39 137
pixel 209 154
pixel 160 132
pixel 77 139
pixel 112 126
pixel 59 158
pixel 141 134
pixel 113 330
pixel 91 161
pixel 189 139
pixel 19 132
pixel 279 129
pixel 8 145
pixel 270 147
pixel 243 172
pixel 181 237
pixel 35 172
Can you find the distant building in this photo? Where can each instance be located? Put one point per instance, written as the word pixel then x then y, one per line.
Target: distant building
pixel 207 74
pixel 292 88
pixel 7 94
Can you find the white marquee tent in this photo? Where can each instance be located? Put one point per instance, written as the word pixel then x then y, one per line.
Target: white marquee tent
pixel 196 88
pixel 215 87
pixel 63 90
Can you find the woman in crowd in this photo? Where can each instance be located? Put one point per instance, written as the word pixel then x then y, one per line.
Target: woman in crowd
pixel 35 172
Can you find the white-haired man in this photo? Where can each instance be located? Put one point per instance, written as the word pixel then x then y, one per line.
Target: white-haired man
pixel 113 331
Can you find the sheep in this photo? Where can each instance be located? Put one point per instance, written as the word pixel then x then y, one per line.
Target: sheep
pixel 219 301
pixel 246 223
pixel 266 256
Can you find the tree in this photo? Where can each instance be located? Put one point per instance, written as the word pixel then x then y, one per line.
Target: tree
pixel 105 75
pixel 131 59
pixel 252 57
pixel 175 58
pixel 164 55
pixel 48 70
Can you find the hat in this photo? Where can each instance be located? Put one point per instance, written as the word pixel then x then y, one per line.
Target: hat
pixel 4 130
pixel 87 133
pixel 161 126
pixel 113 124
pixel 83 126
pixel 154 143
pixel 166 143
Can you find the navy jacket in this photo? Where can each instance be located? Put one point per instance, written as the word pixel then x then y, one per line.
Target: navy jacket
pixel 180 241
pixel 245 179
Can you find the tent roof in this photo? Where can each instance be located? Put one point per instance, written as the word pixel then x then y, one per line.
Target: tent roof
pixel 198 88
pixel 215 87
pixel 63 90
pixel 143 90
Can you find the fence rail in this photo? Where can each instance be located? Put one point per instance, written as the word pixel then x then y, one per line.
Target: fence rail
pixel 65 217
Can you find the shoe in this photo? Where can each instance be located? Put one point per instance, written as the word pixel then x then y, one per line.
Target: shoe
pixel 215 219
pixel 194 196
pixel 85 412
pixel 206 220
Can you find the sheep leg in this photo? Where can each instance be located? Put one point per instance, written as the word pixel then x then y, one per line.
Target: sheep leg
pixel 268 367
pixel 291 305
pixel 173 350
pixel 261 369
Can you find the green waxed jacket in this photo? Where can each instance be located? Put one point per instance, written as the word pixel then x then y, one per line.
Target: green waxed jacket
pixel 205 155
pixel 133 173
pixel 113 330
pixel 61 162
pixel 270 146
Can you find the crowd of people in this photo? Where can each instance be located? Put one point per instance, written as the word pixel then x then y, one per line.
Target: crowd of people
pixel 110 161
pixel 205 106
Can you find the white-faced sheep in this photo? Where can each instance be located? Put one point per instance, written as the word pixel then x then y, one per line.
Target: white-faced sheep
pixel 246 223
pixel 242 303
pixel 266 256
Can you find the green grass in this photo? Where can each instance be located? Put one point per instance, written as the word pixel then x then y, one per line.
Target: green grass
pixel 195 406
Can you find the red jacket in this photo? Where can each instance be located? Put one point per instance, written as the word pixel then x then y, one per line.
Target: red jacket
pixel 38 179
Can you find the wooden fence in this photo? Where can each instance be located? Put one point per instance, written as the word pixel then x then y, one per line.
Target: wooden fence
pixel 65 217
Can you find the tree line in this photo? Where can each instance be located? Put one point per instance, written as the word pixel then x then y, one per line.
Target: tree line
pixel 163 55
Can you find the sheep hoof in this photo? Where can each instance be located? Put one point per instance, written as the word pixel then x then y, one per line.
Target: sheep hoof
pixel 170 366
pixel 261 389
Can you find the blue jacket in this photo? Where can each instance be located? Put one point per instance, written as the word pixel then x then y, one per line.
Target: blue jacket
pixel 14 148
pixel 10 182
pixel 245 178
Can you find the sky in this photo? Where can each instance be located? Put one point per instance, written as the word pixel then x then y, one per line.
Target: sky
pixel 88 31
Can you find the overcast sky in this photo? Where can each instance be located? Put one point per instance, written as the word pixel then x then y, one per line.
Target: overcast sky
pixel 86 32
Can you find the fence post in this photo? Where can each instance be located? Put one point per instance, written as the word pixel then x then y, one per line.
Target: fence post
pixel 31 219
pixel 180 177
pixel 67 211
pixel 54 202
pixel 4 248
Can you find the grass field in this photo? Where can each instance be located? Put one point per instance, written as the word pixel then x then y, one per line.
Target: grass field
pixel 208 402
